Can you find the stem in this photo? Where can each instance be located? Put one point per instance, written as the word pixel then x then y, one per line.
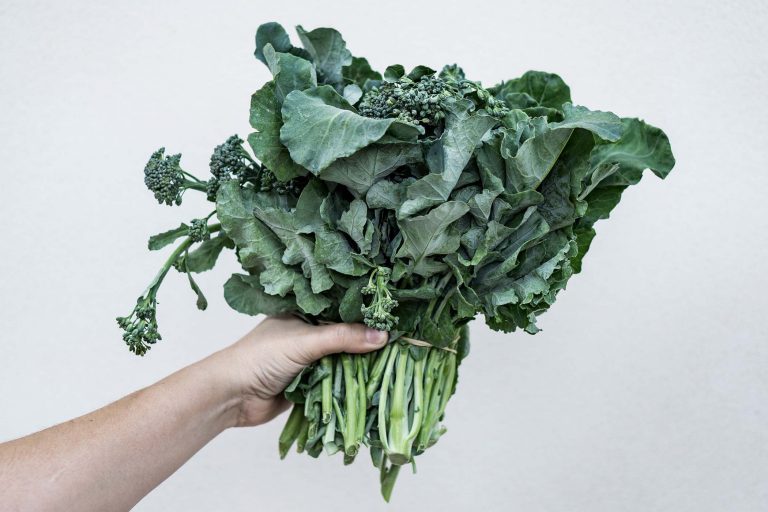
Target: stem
pixel 398 415
pixel 431 402
pixel 158 279
pixel 443 303
pixel 351 397
pixel 383 396
pixel 374 379
pixel 178 251
pixel 327 403
pixel 362 401
pixel 418 402
pixel 291 430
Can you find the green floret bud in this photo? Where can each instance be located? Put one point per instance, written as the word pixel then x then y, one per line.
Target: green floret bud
pixel 378 314
pixel 140 327
pixel 412 101
pixel 164 177
pixel 231 159
pixel 198 230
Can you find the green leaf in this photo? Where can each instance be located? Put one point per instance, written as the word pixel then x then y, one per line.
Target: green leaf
pixel 584 239
pixel 258 247
pixel 641 147
pixel 361 170
pixel 333 251
pixel 308 206
pixel 546 89
pixel 320 127
pixel 310 302
pixel 600 203
pixel 420 71
pixel 265 141
pixel 535 158
pixel 299 248
pixel 394 72
pixel 386 195
pixel 204 256
pixel 273 34
pixel 245 295
pixel 353 222
pixel 352 93
pixel 352 302
pixel 431 233
pixel 202 302
pixel 290 73
pixel 166 238
pixel 446 159
pixel 605 125
pixel 329 52
pixel 359 71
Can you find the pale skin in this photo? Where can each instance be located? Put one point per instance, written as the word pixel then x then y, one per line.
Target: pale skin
pixel 110 459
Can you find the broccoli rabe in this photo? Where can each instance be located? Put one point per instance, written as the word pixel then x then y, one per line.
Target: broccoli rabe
pixel 141 325
pixel 198 230
pixel 230 160
pixel 165 178
pixel 379 313
pixel 412 101
pixel 422 101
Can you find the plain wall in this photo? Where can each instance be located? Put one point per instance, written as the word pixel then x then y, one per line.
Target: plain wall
pixel 647 389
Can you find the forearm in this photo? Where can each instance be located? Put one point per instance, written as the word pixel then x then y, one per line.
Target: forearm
pixel 111 458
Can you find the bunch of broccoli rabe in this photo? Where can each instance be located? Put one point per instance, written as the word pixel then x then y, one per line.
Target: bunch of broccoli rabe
pixel 411 201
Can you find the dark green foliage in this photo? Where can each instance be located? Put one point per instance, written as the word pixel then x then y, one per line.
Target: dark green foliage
pixel 410 201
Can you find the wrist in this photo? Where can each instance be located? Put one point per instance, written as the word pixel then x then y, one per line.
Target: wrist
pixel 222 385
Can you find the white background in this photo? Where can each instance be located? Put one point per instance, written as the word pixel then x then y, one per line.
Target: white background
pixel 647 389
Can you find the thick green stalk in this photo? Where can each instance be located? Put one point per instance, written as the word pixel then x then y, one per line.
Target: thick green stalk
pixel 327 396
pixel 398 413
pixel 362 401
pixel 433 386
pixel 351 444
pixel 418 403
pixel 384 397
pixel 377 372
pixel 292 429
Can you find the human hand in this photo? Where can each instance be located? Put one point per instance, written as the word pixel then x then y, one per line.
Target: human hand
pixel 261 364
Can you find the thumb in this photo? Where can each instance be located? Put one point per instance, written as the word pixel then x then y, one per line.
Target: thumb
pixel 330 339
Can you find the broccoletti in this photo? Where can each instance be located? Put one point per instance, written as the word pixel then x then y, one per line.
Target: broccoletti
pixel 409 201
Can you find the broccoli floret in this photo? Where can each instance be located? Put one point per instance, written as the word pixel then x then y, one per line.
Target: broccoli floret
pixel 379 313
pixel 412 101
pixel 268 182
pixel 141 325
pixel 165 178
pixel 198 230
pixel 421 101
pixel 231 159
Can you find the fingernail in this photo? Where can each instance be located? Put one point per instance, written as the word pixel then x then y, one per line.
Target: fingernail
pixel 374 337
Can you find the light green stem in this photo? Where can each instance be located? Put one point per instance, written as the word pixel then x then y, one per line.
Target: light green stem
pixel 327 396
pixel 351 444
